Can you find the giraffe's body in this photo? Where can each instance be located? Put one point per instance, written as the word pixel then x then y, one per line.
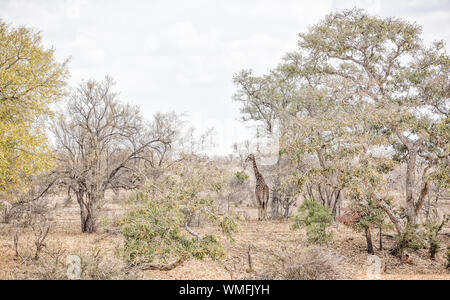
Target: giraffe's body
pixel 261 190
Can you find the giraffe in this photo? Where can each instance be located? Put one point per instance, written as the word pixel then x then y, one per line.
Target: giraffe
pixel 261 191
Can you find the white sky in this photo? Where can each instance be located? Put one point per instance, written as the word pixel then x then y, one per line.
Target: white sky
pixel 170 55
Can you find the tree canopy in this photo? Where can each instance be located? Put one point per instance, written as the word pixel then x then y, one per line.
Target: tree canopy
pixel 361 96
pixel 30 81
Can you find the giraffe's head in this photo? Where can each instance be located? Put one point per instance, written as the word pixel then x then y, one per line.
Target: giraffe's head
pixel 250 158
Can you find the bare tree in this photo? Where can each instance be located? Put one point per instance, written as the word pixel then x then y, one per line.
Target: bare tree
pixel 242 151
pixel 103 144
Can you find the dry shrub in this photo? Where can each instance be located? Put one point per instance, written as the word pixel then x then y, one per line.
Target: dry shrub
pixel 240 215
pixel 49 266
pixel 39 260
pixel 96 265
pixel 317 264
pixel 52 262
pixel 25 213
pixel 314 263
pixel 52 265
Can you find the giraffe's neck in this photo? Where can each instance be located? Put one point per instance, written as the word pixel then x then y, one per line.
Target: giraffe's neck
pixel 255 169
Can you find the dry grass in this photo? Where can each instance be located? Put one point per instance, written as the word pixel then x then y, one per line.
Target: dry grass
pixel 271 244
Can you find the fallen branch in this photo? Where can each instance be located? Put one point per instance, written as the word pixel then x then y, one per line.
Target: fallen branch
pixel 158 267
pixel 108 233
pixel 198 236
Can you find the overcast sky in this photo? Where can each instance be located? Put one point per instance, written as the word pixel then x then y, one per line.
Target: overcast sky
pixel 181 55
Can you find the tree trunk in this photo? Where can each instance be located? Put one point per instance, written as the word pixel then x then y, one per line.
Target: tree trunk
pixel 276 200
pixel 381 238
pixel 87 213
pixel 410 184
pixel 369 241
pixel 275 203
pixel 6 216
pixel 336 205
pixel 432 255
pixel 287 207
pixel 88 224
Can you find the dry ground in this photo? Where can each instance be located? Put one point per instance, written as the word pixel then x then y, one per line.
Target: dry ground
pixel 267 241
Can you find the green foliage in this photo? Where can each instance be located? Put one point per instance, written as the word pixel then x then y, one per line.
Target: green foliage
pixel 411 238
pixel 317 219
pixel 368 212
pixel 156 226
pixel 154 233
pixel 432 230
pixel 358 98
pixel 371 215
pixel 241 177
pixel 440 134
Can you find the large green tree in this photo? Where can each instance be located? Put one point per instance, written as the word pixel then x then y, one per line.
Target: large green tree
pixel 365 94
pixel 402 83
pixel 30 81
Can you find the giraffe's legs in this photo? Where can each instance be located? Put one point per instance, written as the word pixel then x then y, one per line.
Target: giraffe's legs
pixel 261 210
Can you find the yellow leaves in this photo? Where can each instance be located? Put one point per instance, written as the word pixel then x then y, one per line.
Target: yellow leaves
pixel 29 76
pixel 30 80
pixel 23 152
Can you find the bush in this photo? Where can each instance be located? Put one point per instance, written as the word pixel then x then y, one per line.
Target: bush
pixel 156 226
pixel 410 239
pixel 241 177
pixel 238 189
pixel 317 219
pixel 155 232
pixel 362 217
pixel 315 263
pixel 96 265
pixel 52 263
pixel 432 230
